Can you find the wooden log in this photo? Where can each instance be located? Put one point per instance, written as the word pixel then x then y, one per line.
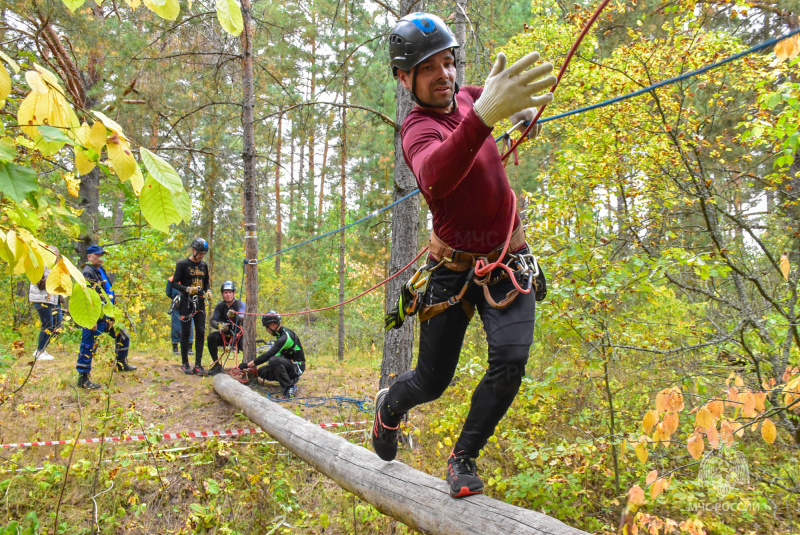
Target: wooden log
pixel 416 499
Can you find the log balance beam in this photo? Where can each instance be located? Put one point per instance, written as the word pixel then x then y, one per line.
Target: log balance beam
pixel 416 499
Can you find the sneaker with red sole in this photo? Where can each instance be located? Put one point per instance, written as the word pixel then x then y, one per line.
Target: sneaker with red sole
pixel 462 475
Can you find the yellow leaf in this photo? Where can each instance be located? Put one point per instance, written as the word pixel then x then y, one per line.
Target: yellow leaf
pixel 738 381
pixel 704 418
pixel 787 48
pixel 657 488
pixel 768 431
pixel 715 407
pixel 73 183
pixel 641 452
pixel 75 272
pixel 97 136
pixel 59 281
pixel 10 61
pixel 670 423
pixel 5 252
pixel 661 400
pixel 651 476
pixel 166 9
pixel 5 84
pixel 110 123
pixel 649 420
pixel 695 445
pixel 137 180
pixel 83 166
pixel 748 404
pixel 133 4
pixel 34 263
pixel 81 134
pixel 45 104
pixel 120 155
pixel 785 266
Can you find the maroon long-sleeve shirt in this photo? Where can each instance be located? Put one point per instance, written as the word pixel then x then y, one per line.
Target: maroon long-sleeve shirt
pixel 460 174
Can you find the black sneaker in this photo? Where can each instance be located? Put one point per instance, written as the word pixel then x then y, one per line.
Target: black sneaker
pixel 462 476
pixel 289 391
pixel 199 370
pixel 85 382
pixel 191 352
pixel 175 350
pixel 384 437
pixel 185 368
pixel 215 369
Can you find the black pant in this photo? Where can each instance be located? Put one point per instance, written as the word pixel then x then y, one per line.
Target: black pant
pixel 509 333
pixel 217 339
pixel 188 307
pixel 279 369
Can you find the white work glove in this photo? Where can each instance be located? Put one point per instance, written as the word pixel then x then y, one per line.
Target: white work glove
pixel 222 327
pixel 507 91
pixel 526 115
pixel 208 295
pixel 193 290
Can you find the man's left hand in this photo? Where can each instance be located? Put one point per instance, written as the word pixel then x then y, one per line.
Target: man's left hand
pixel 232 314
pixel 208 295
pixel 526 115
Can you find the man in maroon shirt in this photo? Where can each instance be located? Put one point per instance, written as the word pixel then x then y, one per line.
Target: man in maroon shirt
pixel 447 143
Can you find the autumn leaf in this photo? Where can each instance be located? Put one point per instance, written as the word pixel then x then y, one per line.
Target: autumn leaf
pixel 670 423
pixel 726 433
pixel 713 436
pixel 785 266
pixel 59 281
pixel 649 420
pixel 695 445
pixel 657 487
pixel 641 452
pixel 768 431
pixel 704 418
pixel 636 496
pixel 716 407
pixel 651 476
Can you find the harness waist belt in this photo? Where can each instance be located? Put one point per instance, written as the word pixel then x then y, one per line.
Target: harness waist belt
pixel 463 260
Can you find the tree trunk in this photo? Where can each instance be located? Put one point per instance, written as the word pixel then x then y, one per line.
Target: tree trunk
pixel 322 173
pixel 419 500
pixel 250 210
pixel 398 344
pixel 311 137
pixel 461 37
pixel 343 204
pixel 278 230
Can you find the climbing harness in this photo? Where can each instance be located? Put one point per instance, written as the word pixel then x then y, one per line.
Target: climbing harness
pixel 194 309
pixel 176 303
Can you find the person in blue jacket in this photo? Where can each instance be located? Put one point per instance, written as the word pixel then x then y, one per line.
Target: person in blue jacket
pixel 97 278
pixel 175 332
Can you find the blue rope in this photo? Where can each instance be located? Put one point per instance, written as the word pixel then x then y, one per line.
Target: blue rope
pixel 675 79
pixel 369 216
pixel 333 402
pixel 614 100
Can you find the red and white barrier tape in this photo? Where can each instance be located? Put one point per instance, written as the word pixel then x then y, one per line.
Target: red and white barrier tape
pixel 185 434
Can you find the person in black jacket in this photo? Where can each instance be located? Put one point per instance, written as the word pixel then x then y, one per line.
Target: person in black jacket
pixel 97 278
pixel 285 360
pixel 227 319
pixel 191 279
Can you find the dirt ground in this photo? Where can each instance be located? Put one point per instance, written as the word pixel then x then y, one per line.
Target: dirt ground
pixel 157 398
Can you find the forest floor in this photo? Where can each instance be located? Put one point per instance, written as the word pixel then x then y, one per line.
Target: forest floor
pixel 155 397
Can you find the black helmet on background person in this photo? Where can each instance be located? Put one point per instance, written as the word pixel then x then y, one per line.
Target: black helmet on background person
pixel 200 245
pixel 416 37
pixel 270 318
pixel 227 285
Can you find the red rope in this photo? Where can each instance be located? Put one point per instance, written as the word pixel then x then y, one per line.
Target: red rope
pixel 481 267
pixel 561 72
pixel 337 305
